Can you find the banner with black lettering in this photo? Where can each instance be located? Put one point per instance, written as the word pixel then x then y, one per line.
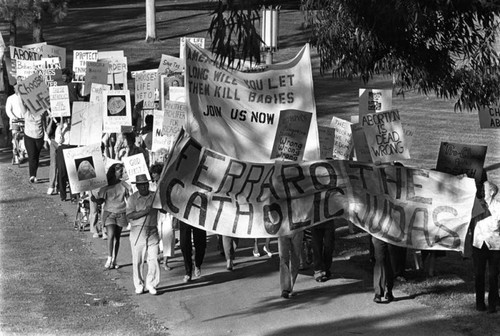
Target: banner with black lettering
pixel 236 113
pixel 417 208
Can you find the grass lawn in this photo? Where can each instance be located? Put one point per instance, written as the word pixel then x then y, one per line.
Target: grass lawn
pixel 120 25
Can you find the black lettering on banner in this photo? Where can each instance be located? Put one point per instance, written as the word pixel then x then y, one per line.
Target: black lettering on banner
pixel 399 222
pixel 268 185
pixel 331 176
pixel 398 182
pixel 425 229
pixel 202 216
pixel 441 240
pixel 251 181
pixel 326 211
pixel 361 168
pixel 233 174
pixel 221 200
pixel 410 186
pixel 202 166
pixel 273 217
pixel 293 180
pixel 191 144
pixel 248 213
pixel 168 197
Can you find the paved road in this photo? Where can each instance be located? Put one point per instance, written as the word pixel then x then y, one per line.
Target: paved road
pixel 247 302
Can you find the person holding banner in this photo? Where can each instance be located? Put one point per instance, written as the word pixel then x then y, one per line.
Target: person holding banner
pixel 144 238
pixel 229 245
pixel 114 219
pixel 383 275
pixel 486 249
pixel 199 238
pixel 289 248
pixel 323 243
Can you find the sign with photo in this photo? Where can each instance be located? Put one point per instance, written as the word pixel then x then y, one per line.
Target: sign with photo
pixel 457 159
pixel 96 72
pixel 291 135
pixel 326 141
pixel 374 100
pixel 85 167
pixel 34 94
pixel 80 59
pixel 117 111
pixel 343 144
pixel 172 82
pixel 167 125
pixel 385 136
pixel 197 41
pixel 59 101
pixel 86 123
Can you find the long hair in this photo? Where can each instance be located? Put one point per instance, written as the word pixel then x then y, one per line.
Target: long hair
pixel 111 174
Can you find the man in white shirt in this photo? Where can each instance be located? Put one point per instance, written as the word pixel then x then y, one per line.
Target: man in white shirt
pixel 15 110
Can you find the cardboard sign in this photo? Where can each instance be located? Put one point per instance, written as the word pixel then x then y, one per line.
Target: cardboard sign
pixel 59 101
pixel 50 69
pixel 80 59
pixel 197 41
pixel 326 141
pixel 145 88
pixel 168 124
pixel 117 111
pixel 96 72
pixel 456 159
pixel 117 71
pixel 168 82
pixel 86 123
pixel 374 100
pixel 291 135
pixel 489 117
pixel 361 148
pixel 24 69
pixel 96 91
pixel 385 136
pixel 170 65
pixel 21 54
pixel 55 51
pixel 85 167
pixel 135 165
pixel 237 112
pixel 36 47
pixel 34 94
pixel 198 186
pixel 344 143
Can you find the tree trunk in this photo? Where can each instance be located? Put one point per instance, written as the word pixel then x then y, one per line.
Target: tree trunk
pixel 150 21
pixel 13 31
pixel 37 27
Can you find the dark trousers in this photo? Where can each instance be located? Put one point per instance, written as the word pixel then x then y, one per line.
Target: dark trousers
pixel 398 260
pixel 62 173
pixel 383 275
pixel 480 258
pixel 33 148
pixel 200 245
pixel 323 244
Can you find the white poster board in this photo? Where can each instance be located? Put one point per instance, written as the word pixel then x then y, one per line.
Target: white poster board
pixel 135 165
pixel 197 41
pixel 86 123
pixel 326 141
pixel 167 126
pixel 85 167
pixel 145 88
pixel 59 101
pixel 116 111
pixel 344 144
pixel 374 100
pixel 80 59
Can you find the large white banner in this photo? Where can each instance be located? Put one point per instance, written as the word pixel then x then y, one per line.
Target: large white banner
pixel 236 113
pixel 417 208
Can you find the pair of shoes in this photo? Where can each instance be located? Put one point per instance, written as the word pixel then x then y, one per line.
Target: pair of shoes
pixel 151 290
pixel 95 235
pixel 480 306
pixel 377 299
pixel 187 278
pixel 139 291
pixel 109 263
pixel 285 294
pixel 389 297
pixel 33 179
pixel 319 276
pixel 229 265
pixel 256 254
pixel 269 254
pixel 197 272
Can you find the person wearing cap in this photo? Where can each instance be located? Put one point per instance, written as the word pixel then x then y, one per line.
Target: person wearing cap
pixel 144 237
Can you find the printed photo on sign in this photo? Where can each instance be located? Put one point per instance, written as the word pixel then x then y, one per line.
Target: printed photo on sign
pixel 85 168
pixel 117 106
pixel 117 110
pixel 374 100
pixel 457 159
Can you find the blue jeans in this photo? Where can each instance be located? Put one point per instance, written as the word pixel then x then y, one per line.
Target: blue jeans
pixel 289 248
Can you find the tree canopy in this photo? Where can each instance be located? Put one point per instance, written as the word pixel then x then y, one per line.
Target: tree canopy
pixel 442 46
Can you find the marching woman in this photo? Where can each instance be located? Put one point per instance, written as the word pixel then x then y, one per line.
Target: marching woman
pixel 114 219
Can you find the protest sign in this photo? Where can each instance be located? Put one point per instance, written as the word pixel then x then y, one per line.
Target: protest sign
pixel 86 123
pixel 400 205
pixel 385 136
pixel 48 68
pixel 409 134
pixel 59 101
pixel 456 159
pixel 197 41
pixel 80 59
pixel 361 148
pixel 117 71
pixel 374 100
pixel 116 110
pixel 96 92
pixel 170 65
pixel 236 113
pixel 21 54
pixel 24 69
pixel 95 72
pixel 291 135
pixel 172 89
pixel 135 165
pixel 34 94
pixel 36 47
pixel 145 87
pixel 167 124
pixel 489 117
pixel 326 141
pixel 85 167
pixel 343 144
pixel 55 51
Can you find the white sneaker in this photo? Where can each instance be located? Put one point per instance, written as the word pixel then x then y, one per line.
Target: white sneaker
pixel 95 235
pixel 197 272
pixel 151 290
pixel 139 291
pixel 50 191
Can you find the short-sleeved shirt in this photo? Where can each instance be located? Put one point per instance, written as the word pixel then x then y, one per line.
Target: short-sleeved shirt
pixel 137 202
pixel 115 197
